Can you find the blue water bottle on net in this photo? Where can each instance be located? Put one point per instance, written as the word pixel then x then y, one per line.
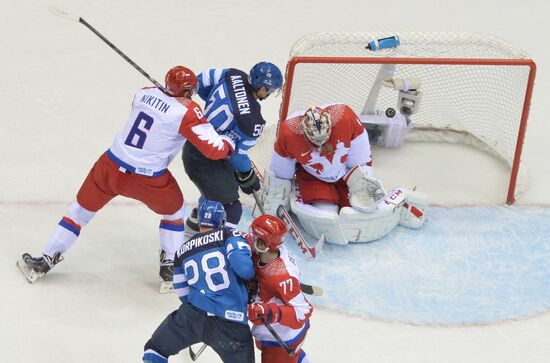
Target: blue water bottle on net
pixel 384 43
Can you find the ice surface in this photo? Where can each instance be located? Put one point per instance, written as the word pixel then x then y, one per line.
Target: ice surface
pixel 472 286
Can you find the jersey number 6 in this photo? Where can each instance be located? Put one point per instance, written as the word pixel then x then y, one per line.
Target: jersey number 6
pixel 136 136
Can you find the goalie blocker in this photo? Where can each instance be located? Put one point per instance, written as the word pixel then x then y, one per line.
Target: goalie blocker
pixel 399 206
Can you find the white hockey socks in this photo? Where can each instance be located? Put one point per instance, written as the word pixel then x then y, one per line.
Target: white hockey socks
pixel 171 231
pixel 68 229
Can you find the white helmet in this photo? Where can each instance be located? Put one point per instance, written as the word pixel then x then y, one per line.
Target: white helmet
pixel 317 125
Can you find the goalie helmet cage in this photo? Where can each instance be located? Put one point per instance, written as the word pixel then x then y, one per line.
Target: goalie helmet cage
pixel 476 88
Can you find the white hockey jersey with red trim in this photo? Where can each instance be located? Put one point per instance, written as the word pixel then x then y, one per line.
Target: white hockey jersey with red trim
pixel 347 146
pixel 157 128
pixel 279 282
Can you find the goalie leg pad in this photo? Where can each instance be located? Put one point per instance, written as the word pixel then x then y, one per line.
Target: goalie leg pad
pixel 274 192
pixel 364 190
pixel 366 227
pixel 316 221
pixel 413 213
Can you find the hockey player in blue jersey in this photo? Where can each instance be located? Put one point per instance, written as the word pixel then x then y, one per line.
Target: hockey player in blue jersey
pixel 233 109
pixel 210 271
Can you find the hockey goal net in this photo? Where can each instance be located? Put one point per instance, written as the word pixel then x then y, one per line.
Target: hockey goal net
pixel 476 89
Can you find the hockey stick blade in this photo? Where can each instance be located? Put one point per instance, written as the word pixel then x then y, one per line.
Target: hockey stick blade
pixel 166 287
pixel 311 290
pixel 307 249
pixel 63 14
pixel 194 356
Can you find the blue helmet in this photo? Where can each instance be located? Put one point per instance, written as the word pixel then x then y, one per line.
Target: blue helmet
pixel 265 74
pixel 211 214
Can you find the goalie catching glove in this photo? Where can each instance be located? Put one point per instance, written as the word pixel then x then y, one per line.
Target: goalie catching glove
pixel 270 312
pixel 248 181
pixel 364 190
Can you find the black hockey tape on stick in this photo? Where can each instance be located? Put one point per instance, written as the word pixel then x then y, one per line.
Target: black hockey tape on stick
pixel 68 16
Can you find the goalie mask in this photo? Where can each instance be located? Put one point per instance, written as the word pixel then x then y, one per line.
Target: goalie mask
pixel 270 230
pixel 317 125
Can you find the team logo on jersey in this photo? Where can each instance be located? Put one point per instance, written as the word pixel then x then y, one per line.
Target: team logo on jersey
pixel 232 135
pixel 234 315
pixel 329 167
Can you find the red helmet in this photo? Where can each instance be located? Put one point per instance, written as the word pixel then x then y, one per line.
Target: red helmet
pixel 270 229
pixel 179 80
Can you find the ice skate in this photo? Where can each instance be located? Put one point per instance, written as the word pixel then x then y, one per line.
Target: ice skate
pixel 166 274
pixel 34 268
pixel 192 223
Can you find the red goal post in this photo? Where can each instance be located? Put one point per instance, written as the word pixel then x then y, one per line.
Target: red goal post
pixel 476 89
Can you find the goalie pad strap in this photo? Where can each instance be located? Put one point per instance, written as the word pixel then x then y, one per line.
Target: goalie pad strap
pixel 417 212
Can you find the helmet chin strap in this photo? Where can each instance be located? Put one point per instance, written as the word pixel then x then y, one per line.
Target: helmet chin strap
pixel 259 249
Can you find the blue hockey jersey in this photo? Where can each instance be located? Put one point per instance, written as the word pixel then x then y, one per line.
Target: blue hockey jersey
pixel 210 270
pixel 232 110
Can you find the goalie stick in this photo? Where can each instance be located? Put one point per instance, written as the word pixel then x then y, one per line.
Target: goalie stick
pixel 310 251
pixel 72 17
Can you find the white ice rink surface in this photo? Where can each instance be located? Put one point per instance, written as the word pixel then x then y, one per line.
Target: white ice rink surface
pixel 64 94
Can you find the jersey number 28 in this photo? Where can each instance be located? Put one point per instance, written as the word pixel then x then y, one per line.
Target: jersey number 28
pixel 216 259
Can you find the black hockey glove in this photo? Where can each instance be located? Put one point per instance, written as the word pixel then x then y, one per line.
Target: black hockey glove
pixel 252 290
pixel 248 181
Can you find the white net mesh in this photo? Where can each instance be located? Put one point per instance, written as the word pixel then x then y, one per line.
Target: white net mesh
pixel 413 45
pixel 484 102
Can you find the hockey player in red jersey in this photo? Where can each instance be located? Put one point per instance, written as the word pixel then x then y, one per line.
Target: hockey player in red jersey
pixel 321 168
pixel 135 166
pixel 279 301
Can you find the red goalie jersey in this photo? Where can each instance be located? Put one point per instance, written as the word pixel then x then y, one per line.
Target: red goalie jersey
pixel 347 146
pixel 279 283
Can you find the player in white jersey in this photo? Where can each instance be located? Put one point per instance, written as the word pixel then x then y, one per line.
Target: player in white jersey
pixel 135 166
pixel 279 301
pixel 322 160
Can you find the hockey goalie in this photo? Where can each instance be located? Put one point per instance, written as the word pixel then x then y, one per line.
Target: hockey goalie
pixel 321 170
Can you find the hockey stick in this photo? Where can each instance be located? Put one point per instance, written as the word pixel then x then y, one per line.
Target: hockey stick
pixel 72 17
pixel 194 356
pixel 279 340
pixel 307 249
pixel 306 289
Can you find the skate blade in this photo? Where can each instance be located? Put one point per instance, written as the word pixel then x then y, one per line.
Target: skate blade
pixel 28 272
pixel 166 287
